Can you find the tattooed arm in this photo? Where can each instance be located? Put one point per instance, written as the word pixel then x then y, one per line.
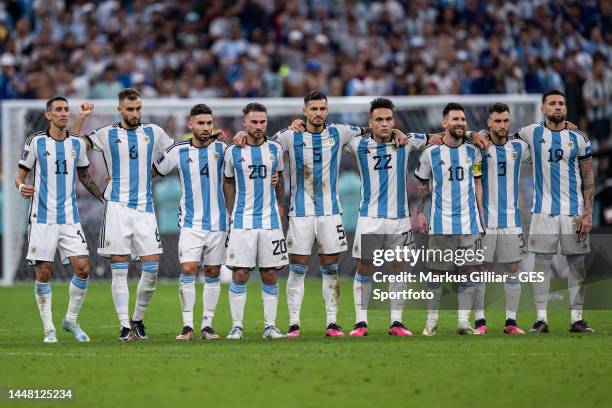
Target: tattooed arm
pixel 89 184
pixel 424 193
pixel 588 192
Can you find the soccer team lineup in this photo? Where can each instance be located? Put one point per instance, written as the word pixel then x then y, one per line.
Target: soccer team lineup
pixel 232 212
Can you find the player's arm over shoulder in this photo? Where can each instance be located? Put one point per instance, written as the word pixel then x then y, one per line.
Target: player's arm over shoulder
pixel 526 132
pixel 584 145
pixel 97 138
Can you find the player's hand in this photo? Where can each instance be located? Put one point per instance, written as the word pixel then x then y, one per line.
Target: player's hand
pixel 435 139
pixel 218 133
pixel 399 137
pixel 274 179
pixel 421 222
pixel 570 126
pixel 240 138
pixel 85 109
pixel 26 191
pixel 108 179
pixel 585 223
pixel 481 140
pixel 298 125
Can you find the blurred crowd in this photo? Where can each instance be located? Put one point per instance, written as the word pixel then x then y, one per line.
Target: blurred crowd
pixel 253 48
pixel 273 48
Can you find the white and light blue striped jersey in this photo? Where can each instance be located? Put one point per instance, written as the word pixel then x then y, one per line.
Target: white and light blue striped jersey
pixel 556 173
pixel 129 156
pixel 201 173
pixel 451 172
pixel 501 169
pixel 314 164
pixel 255 205
pixel 384 169
pixel 55 166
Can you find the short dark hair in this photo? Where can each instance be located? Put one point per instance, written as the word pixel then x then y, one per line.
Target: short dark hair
pixel 552 92
pixel 55 99
pixel 379 103
pixel 314 96
pixel 450 107
pixel 129 93
pixel 498 108
pixel 200 109
pixel 254 107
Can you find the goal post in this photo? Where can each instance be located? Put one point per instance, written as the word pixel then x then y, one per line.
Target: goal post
pixel 21 118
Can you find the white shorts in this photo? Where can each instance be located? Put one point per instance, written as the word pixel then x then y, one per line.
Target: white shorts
pixel 126 231
pixel 46 239
pixel 386 233
pixel 196 245
pixel 437 243
pixel 248 248
pixel 326 230
pixel 548 232
pixel 503 245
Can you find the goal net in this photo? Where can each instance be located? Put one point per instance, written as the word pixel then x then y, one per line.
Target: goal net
pixel 22 118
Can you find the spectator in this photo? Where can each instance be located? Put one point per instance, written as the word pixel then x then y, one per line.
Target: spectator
pixel 107 87
pixel 597 93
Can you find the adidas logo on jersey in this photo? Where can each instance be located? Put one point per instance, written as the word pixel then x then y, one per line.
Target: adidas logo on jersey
pixel 542 141
pixel 47 153
pixel 241 159
pixel 284 258
pixel 117 141
pixel 189 160
pixel 442 162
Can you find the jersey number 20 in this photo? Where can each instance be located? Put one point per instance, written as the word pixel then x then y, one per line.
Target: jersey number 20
pixel 258 171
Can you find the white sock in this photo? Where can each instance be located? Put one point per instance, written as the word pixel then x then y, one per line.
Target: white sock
pixel 362 288
pixel 145 289
pixel 237 300
pixel 187 297
pixel 295 291
pixel 397 305
pixel 42 293
pixel 331 291
pixel 434 303
pixel 576 286
pixel 121 293
pixel 269 297
pixel 210 298
pixel 479 301
pixel 77 291
pixel 466 301
pixel 541 289
pixel 512 289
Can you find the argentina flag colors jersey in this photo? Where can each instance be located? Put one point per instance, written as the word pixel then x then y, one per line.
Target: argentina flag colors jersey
pixel 451 172
pixel 314 160
pixel 55 166
pixel 501 169
pixel 383 168
pixel 129 155
pixel 255 205
pixel 556 173
pixel 201 172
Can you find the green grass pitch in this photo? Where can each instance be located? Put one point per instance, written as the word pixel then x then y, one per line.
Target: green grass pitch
pixel 557 369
